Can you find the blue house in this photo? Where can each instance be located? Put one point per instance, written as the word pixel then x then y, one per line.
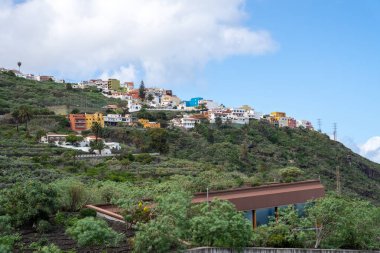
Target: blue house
pixel 193 102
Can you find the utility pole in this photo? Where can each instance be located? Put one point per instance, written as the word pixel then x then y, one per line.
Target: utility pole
pixel 338 183
pixel 208 205
pixel 320 125
pixel 335 132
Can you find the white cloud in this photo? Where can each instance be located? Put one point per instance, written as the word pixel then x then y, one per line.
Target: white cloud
pixel 164 40
pixel 370 149
pixel 123 73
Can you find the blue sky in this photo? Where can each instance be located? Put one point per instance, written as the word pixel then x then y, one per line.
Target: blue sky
pixel 310 58
pixel 326 66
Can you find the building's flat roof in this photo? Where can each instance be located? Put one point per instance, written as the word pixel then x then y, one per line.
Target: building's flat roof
pixel 252 198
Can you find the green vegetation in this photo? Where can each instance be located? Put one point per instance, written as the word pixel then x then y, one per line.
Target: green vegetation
pixel 44 188
pixel 89 231
pixel 342 223
pixel 15 92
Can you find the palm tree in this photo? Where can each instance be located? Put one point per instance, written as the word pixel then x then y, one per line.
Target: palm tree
pixel 97 145
pixel 16 117
pixel 25 114
pixel 97 130
pixel 19 65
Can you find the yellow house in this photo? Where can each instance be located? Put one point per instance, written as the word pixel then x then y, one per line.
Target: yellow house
pixel 147 124
pixel 96 117
pixel 278 115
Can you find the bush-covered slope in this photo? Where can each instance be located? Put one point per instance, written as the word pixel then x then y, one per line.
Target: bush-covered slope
pixel 16 91
pixel 258 150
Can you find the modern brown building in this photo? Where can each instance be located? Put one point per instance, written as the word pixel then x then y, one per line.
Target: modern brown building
pixel 258 203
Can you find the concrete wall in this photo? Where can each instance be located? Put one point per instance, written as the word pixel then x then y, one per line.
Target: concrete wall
pixel 274 250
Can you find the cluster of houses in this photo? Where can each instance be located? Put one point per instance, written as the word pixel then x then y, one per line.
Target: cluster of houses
pixel 161 99
pixel 84 121
pixel 39 78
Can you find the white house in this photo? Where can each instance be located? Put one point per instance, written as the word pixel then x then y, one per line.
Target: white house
pixel 189 122
pixel 134 107
pixel 113 119
pixel 209 104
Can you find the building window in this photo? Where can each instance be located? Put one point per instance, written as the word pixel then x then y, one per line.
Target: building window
pixel 263 215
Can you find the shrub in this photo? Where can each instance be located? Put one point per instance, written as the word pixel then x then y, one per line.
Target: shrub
pixel 87 212
pixel 60 218
pixel 290 174
pixel 43 226
pixel 28 202
pixel 137 213
pixel 218 224
pixel 5 225
pixel 51 248
pixel 7 242
pixel 91 232
pixel 72 194
pixel 156 236
pixel 144 158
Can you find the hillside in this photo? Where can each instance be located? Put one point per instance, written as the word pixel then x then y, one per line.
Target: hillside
pixel 44 188
pixel 19 91
pixel 256 151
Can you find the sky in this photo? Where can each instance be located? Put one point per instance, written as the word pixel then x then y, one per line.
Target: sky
pixel 313 59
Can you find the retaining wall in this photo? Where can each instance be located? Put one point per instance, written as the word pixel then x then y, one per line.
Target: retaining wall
pixel 274 250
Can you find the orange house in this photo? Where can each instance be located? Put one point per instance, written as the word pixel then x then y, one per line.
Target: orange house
pixel 84 121
pixel 78 122
pixel 147 124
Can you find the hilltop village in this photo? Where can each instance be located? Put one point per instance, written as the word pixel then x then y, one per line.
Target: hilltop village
pixel 141 98
pixel 113 151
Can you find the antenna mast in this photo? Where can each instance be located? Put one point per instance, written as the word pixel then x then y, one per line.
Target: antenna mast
pixel 335 132
pixel 320 125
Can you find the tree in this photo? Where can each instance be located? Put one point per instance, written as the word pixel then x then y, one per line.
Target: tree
pixel 73 138
pixel 157 236
pixel 142 90
pixel 97 145
pixel 244 152
pixel 170 228
pixel 218 224
pixel 39 134
pixel 218 122
pixel 90 232
pixel 19 66
pixel 158 140
pixel 97 130
pixel 69 86
pixel 344 223
pixel 25 114
pixel 16 117
pixel 150 97
pixel 284 231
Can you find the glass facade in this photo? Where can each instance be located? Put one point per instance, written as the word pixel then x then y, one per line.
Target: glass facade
pixel 300 207
pixel 248 215
pixel 263 215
